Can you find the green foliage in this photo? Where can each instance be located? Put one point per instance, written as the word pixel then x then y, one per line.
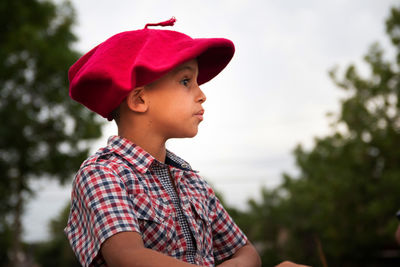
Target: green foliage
pixel 5 242
pixel 43 132
pixel 57 251
pixel 339 211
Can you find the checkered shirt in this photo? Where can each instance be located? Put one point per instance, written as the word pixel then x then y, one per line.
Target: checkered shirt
pixel 123 188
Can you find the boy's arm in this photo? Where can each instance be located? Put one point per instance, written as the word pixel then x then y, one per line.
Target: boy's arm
pixel 246 256
pixel 126 249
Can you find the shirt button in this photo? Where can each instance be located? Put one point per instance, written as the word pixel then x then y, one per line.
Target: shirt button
pixel 185 166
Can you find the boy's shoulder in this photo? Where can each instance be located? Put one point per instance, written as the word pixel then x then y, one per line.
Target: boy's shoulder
pixel 108 161
pixel 104 157
pixel 119 153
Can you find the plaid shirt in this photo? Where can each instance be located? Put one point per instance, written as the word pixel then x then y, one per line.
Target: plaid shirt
pixel 122 188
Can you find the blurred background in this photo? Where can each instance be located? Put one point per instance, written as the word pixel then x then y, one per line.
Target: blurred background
pixel 301 134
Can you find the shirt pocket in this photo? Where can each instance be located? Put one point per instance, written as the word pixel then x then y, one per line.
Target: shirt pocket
pixel 203 225
pixel 156 223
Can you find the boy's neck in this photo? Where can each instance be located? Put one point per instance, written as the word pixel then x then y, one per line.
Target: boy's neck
pixel 151 144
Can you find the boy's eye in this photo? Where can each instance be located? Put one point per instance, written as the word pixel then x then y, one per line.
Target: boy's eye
pixel 185 82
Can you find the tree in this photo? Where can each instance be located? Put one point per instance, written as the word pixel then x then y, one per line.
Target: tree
pixel 339 210
pixel 43 132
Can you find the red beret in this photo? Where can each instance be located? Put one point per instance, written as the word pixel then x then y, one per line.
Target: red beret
pixel 102 78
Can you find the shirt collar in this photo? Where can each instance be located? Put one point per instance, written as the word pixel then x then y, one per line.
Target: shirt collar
pixel 139 158
pixel 175 161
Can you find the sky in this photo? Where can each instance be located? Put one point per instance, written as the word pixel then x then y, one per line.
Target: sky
pixel 274 94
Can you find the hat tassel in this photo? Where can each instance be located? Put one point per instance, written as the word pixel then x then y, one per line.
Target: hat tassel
pixel 169 22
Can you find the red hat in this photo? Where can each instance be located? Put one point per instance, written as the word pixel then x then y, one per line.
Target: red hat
pixel 103 77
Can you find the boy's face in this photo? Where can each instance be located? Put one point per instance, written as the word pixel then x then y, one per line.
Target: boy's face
pixel 175 102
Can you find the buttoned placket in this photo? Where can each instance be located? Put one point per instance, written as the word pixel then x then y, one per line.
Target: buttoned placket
pixel 168 179
pixel 179 175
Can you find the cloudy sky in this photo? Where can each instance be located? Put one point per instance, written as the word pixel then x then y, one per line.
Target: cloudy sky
pixel 273 95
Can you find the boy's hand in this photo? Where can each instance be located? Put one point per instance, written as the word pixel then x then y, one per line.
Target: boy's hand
pixel 290 264
pixel 283 264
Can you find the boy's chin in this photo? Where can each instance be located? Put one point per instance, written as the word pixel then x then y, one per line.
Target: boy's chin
pixel 193 134
pixel 187 134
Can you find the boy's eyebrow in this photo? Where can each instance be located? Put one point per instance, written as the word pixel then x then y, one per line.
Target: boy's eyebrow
pixel 185 67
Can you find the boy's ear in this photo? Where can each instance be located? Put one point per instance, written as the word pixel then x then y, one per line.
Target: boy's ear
pixel 136 100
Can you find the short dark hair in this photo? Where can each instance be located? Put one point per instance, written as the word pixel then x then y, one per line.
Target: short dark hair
pixel 115 114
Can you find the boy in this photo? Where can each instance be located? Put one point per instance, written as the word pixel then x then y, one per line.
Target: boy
pixel 134 203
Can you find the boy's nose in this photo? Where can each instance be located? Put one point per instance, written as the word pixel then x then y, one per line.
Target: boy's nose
pixel 202 97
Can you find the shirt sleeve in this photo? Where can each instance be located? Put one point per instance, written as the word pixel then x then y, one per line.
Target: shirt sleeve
pixel 227 236
pixel 101 207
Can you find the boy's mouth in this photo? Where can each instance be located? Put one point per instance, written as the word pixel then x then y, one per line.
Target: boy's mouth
pixel 199 114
